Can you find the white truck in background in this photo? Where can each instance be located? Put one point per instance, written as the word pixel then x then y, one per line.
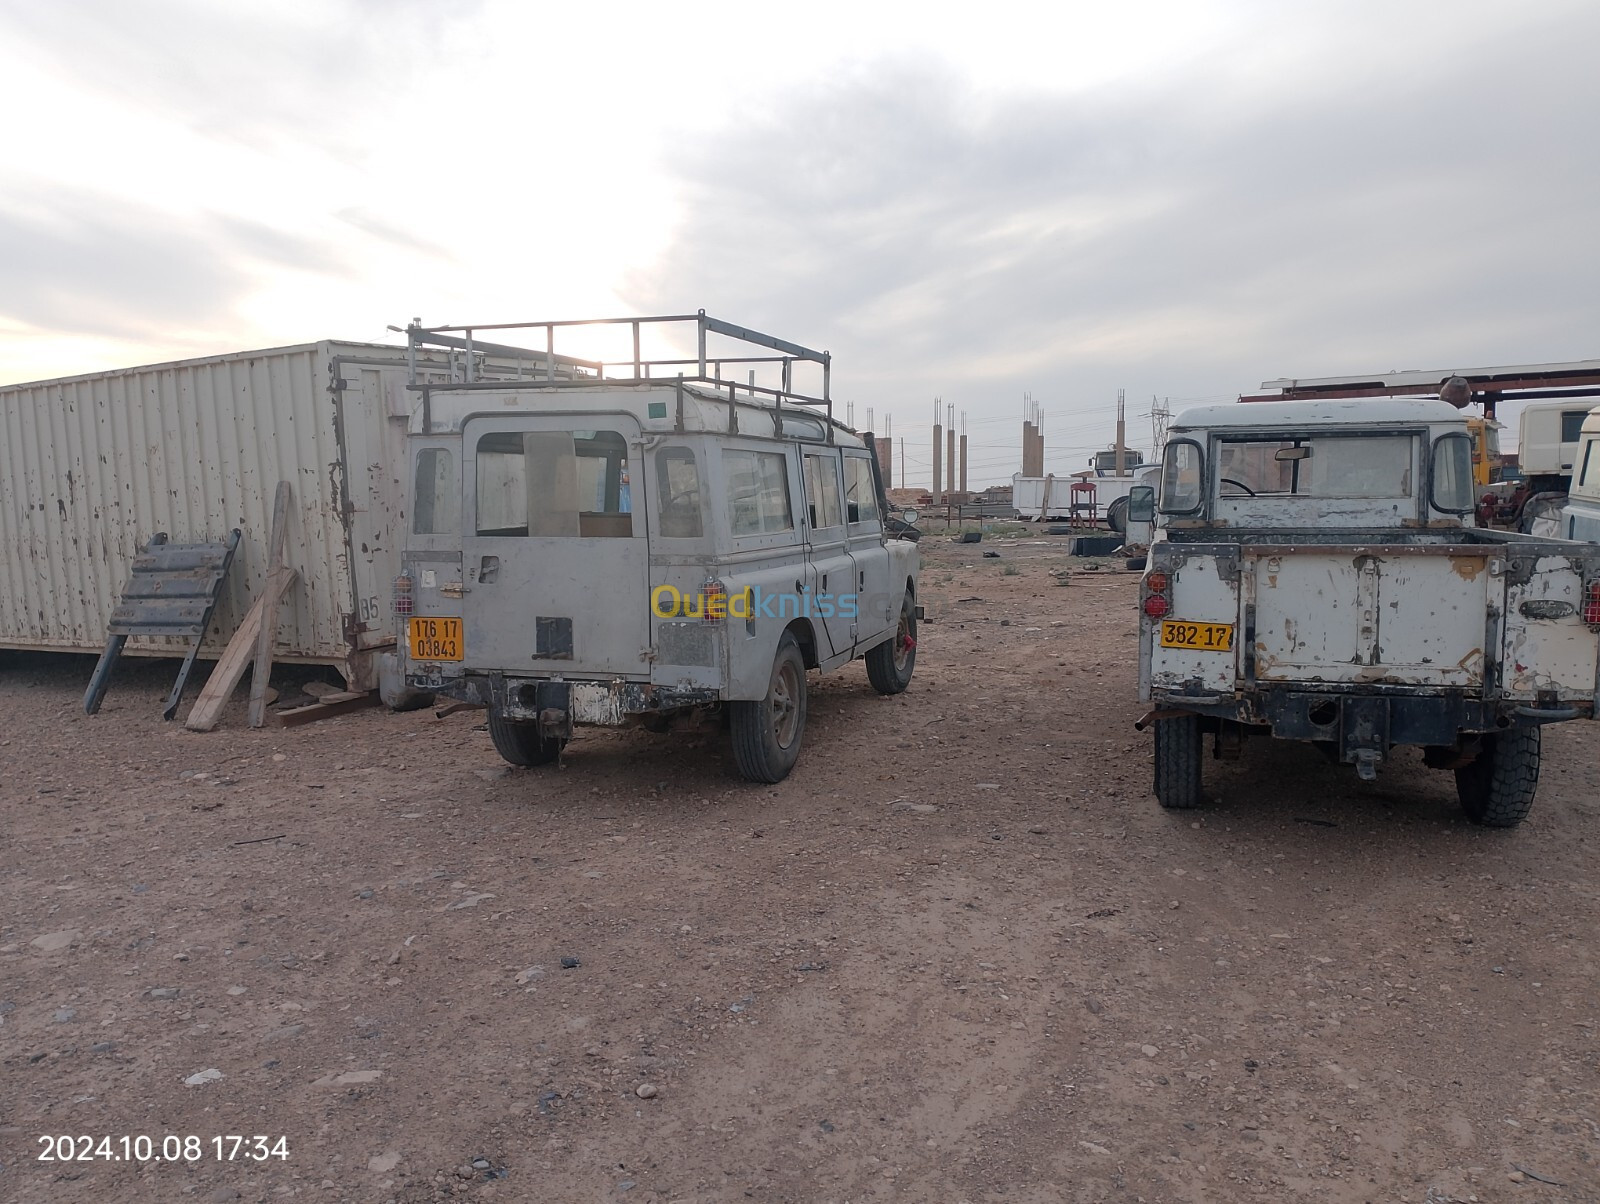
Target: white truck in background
pixel 1549 441
pixel 1580 519
pixel 1318 577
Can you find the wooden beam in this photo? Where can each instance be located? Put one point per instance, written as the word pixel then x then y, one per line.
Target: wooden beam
pixel 267 635
pixel 330 706
pixel 229 669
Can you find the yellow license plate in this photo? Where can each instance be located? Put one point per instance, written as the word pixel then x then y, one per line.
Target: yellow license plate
pixel 435 639
pixel 1207 637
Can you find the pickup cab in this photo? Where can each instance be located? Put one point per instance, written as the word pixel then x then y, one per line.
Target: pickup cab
pixel 1318 576
pixel 616 543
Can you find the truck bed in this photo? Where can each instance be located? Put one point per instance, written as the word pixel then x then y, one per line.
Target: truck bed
pixel 1491 614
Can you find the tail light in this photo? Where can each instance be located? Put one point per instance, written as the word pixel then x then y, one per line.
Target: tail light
pixel 402 595
pixel 1591 605
pixel 1156 602
pixel 714 602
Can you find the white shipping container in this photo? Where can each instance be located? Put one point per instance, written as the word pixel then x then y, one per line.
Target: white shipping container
pixel 92 466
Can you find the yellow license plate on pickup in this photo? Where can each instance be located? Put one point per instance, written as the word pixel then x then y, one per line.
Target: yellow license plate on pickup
pixel 1206 637
pixel 435 639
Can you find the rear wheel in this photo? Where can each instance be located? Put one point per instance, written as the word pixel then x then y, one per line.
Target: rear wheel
pixel 889 665
pixel 1178 756
pixel 519 741
pixel 1497 789
pixel 766 734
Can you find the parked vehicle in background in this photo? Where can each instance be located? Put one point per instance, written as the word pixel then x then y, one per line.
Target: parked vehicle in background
pixel 644 545
pixel 1581 517
pixel 1549 434
pixel 1318 577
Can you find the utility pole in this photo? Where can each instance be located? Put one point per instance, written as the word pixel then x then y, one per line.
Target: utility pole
pixel 938 446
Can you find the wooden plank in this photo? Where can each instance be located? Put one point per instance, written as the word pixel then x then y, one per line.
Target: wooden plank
pixel 267 635
pixel 230 667
pixel 328 708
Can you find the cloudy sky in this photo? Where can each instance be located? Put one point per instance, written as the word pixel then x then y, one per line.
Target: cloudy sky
pixel 1181 199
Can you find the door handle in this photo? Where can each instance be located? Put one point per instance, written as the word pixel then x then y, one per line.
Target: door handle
pixel 488 569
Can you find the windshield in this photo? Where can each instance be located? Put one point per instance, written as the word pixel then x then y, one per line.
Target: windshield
pixel 1317 466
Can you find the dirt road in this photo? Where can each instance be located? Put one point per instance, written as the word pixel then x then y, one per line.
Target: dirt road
pixel 960 955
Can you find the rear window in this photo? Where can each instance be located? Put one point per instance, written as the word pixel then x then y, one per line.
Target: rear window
pixel 758 492
pixel 435 496
pixel 564 484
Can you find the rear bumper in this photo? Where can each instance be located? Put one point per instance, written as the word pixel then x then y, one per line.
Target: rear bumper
pixel 584 703
pixel 1370 720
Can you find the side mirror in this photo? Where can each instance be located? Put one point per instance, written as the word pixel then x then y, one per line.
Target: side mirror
pixel 909 516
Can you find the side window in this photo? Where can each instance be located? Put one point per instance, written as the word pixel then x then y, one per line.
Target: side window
pixel 1589 475
pixel 1181 484
pixel 860 495
pixel 758 492
pixel 564 484
pixel 678 481
pixel 822 491
pixel 1452 474
pixel 1572 425
pixel 436 497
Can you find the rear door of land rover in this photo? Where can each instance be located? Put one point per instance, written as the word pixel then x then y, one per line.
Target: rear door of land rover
pixel 555 546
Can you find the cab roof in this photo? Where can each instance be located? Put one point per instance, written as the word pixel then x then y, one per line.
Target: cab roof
pixel 1355 412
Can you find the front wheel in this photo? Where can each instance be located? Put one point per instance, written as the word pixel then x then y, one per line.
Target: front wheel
pixel 1497 789
pixel 766 734
pixel 890 664
pixel 519 741
pixel 1179 749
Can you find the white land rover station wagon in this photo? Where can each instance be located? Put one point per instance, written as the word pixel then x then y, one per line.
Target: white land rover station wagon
pixel 600 543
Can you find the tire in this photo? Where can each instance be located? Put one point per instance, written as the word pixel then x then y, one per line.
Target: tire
pixel 519 741
pixel 1497 789
pixel 1136 564
pixel 1117 515
pixel 890 664
pixel 767 734
pixel 1178 755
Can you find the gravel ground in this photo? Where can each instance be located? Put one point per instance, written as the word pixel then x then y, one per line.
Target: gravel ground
pixel 960 955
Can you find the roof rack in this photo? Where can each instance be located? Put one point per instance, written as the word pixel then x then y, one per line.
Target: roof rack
pixel 548 369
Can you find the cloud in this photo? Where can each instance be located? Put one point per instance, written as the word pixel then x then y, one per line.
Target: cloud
pixel 1189 238
pixel 80 263
pixel 261 76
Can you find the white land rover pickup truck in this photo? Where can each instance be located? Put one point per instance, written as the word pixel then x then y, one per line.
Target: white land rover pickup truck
pixel 1318 577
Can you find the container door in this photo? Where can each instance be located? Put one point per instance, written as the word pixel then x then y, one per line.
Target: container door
pixel 834 585
pixel 555 547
